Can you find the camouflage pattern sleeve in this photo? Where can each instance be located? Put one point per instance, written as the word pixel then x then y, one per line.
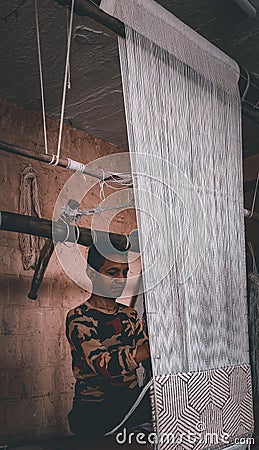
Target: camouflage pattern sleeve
pixel 82 334
pixel 139 332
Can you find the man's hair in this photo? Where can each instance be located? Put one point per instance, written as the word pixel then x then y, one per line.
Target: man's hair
pixel 96 260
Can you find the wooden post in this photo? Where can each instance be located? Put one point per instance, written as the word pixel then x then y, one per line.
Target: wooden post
pixel 42 264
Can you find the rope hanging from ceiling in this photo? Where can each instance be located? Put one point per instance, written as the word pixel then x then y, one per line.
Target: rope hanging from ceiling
pixel 41 76
pixel 69 39
pixel 66 85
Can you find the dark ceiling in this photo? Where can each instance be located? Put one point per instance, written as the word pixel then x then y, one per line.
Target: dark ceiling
pixel 94 102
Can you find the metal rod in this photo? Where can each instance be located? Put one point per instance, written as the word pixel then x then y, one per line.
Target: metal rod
pixel 86 8
pixel 249 186
pixel 42 157
pixel 59 231
pixel 63 162
pixel 247 7
pixel 249 91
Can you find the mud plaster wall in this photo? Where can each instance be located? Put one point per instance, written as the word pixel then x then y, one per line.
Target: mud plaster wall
pixel 36 382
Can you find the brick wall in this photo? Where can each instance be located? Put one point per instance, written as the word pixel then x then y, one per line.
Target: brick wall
pixel 36 382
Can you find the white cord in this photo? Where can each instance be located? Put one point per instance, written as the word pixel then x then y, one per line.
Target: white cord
pixel 250 246
pixel 41 78
pixel 122 180
pixel 101 184
pixel 77 238
pixel 76 215
pixel 52 159
pixel 94 236
pixel 90 212
pixel 128 242
pixel 132 409
pixel 254 198
pixel 69 71
pixel 67 230
pixel 247 86
pixel 65 81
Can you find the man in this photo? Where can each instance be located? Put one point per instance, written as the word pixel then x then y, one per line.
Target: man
pixel 107 343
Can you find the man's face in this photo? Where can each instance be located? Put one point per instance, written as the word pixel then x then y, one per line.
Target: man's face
pixel 111 278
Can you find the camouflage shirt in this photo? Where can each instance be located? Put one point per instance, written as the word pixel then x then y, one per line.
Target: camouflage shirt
pixel 103 347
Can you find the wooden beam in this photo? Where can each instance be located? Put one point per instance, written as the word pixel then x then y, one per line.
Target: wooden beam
pixel 42 264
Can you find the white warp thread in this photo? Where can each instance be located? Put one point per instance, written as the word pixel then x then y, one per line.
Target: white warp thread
pixel 184 129
pixel 151 20
pixel 188 123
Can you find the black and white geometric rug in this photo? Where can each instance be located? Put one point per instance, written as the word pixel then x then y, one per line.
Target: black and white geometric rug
pixel 198 410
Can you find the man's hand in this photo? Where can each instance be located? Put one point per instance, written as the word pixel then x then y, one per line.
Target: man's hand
pixel 143 353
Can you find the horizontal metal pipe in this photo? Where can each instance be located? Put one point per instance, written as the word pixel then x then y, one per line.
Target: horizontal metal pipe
pixel 86 8
pixel 62 162
pixel 249 186
pixel 59 231
pixel 247 7
pixel 42 157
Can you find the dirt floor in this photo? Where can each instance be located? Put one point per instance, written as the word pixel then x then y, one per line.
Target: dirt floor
pixel 74 443
pixel 107 443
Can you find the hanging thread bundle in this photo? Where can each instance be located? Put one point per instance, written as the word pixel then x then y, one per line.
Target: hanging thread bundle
pixel 30 204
